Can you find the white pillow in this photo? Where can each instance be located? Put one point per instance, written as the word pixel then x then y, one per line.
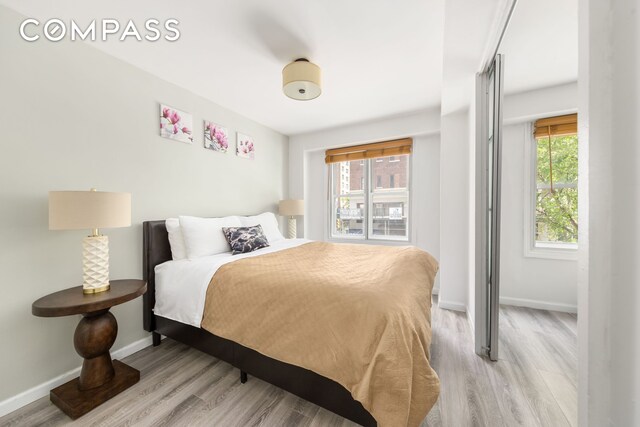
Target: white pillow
pixel 176 240
pixel 204 236
pixel 269 224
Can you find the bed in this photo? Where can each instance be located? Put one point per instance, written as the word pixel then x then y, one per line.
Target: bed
pixel 323 390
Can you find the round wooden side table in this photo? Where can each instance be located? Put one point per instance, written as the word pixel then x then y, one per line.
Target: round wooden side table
pixel 100 378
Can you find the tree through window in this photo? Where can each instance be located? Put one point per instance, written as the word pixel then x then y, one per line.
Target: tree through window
pixel 556 170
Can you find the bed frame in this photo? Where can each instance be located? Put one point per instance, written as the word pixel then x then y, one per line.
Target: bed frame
pixel 294 379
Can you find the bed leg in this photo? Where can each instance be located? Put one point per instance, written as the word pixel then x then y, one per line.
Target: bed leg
pixel 243 377
pixel 156 338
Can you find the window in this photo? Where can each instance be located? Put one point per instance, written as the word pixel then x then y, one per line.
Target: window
pixel 374 203
pixel 553 207
pixel 348 198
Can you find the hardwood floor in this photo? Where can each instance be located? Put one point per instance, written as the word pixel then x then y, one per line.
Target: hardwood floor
pixel 534 384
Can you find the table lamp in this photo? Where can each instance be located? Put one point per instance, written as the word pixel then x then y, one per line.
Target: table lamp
pixel 73 210
pixel 291 208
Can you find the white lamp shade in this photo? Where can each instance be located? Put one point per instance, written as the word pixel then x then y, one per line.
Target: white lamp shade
pixel 73 210
pixel 291 207
pixel 301 80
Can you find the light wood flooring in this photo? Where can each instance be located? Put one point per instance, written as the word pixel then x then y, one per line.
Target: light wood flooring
pixel 534 384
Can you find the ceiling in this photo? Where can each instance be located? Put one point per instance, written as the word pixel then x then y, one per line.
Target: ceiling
pixel 541 45
pixel 378 57
pixel 471 28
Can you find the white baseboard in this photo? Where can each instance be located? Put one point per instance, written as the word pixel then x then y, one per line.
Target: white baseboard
pixel 541 305
pixel 452 305
pixel 435 291
pixel 42 390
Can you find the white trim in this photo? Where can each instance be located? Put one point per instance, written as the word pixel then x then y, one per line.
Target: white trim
pixel 529 179
pixel 541 305
pixel 41 390
pixel 452 305
pixel 375 242
pixel 548 253
pixel 531 249
pixel 480 273
pixel 435 291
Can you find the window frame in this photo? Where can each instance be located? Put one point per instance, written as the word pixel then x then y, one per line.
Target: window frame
pixel 333 197
pixel 533 249
pixel 368 191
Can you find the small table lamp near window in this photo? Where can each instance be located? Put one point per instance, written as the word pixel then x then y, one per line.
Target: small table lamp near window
pixel 92 210
pixel 291 208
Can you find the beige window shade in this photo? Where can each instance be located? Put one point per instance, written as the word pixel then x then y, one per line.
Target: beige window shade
pixel 556 126
pixel 369 151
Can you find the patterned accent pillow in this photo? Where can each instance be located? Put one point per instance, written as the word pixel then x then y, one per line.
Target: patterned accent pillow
pixel 245 239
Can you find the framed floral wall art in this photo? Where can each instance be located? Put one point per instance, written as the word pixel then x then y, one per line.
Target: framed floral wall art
pixel 245 146
pixel 176 124
pixel 216 137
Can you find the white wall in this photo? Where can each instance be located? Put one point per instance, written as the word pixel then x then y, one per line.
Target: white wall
pixel 309 174
pixel 75 118
pixel 531 105
pixel 315 195
pixel 454 207
pixel 532 282
pixel 609 271
pixel 411 124
pixel 471 33
pixel 471 217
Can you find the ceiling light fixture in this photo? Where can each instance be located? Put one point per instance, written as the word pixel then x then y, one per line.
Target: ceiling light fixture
pixel 301 80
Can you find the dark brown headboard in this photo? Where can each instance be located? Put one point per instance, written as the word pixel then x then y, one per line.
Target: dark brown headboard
pixel 155 250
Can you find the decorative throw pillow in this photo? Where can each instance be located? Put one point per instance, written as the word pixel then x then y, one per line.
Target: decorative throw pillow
pixel 245 239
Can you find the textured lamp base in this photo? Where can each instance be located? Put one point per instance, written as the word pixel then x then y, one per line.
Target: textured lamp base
pixel 95 264
pixel 292 228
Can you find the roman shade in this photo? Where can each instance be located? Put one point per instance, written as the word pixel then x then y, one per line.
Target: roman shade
pixel 396 147
pixel 556 126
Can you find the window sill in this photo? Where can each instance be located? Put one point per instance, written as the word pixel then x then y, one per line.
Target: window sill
pixel 550 251
pixel 384 242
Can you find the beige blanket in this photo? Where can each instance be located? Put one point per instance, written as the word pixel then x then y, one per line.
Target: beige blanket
pixel 357 314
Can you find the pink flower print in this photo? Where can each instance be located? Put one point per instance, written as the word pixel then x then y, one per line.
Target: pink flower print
pixel 220 137
pixel 174 117
pixel 208 126
pixel 161 125
pixel 165 112
pixel 186 130
pixel 250 146
pixel 175 129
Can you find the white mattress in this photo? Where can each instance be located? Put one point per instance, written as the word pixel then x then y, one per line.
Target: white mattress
pixel 181 286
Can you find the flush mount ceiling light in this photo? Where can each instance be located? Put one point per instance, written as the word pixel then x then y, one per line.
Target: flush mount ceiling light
pixel 301 80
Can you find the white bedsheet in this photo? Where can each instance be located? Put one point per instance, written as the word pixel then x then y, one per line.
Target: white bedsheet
pixel 181 286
